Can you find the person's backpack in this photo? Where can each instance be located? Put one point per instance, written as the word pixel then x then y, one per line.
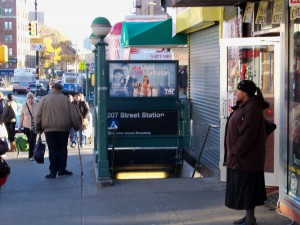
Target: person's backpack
pixel 4 171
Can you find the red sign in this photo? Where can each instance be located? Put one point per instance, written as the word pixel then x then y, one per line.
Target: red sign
pixel 294 2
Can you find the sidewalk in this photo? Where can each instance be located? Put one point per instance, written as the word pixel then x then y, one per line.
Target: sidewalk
pixel 29 199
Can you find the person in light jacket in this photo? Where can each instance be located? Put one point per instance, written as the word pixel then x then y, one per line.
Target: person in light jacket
pixel 245 138
pixel 27 122
pixel 56 115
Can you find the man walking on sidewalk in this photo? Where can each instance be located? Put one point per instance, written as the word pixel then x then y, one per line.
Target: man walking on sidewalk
pixel 55 116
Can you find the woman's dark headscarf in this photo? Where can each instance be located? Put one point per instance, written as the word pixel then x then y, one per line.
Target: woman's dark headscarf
pixel 249 87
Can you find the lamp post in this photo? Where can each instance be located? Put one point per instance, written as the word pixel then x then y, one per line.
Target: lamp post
pixel 101 27
pixel 94 40
pixel 87 83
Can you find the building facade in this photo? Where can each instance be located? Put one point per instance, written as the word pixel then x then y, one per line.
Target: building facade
pixel 14 33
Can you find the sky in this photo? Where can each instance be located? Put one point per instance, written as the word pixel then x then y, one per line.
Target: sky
pixel 73 18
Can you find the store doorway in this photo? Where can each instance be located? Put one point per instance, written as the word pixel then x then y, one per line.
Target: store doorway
pixel 255 59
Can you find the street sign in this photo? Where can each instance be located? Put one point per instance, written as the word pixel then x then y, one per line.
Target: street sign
pixel 36 44
pixel 82 65
pixel 36 40
pixel 36 47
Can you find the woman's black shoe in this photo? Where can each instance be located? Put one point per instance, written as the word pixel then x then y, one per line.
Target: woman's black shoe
pixel 50 176
pixel 242 220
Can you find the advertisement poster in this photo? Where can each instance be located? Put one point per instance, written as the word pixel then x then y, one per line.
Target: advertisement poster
pixel 248 12
pixel 295 12
pixel 142 79
pixel 277 12
pixel 261 15
pixel 147 122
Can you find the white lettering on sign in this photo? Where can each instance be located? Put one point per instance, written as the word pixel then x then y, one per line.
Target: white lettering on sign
pixel 169 91
pixel 129 115
pixel 152 115
pixel 135 115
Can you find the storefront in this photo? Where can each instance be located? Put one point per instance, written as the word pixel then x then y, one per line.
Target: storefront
pixel 259 41
pixel 203 28
pixel 290 198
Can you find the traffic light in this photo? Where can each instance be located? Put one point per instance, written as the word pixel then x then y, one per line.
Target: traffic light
pixel 3 54
pixel 30 28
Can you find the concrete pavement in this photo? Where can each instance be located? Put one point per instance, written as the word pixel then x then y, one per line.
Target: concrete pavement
pixel 29 199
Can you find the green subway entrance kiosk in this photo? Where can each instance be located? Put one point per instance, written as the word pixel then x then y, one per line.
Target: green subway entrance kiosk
pixel 148 124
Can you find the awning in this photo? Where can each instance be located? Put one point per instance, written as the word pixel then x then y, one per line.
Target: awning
pixel 151 34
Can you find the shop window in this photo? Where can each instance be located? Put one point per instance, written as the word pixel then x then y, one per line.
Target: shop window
pixel 293 172
pixel 260 16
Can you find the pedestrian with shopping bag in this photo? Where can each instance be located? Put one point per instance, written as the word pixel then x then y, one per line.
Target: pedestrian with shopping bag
pixel 27 122
pixel 55 116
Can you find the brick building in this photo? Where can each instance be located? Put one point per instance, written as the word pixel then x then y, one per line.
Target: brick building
pixel 14 33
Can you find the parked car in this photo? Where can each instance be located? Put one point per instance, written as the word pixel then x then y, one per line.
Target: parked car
pixel 39 88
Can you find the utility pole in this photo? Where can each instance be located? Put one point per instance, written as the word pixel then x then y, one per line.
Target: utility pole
pixel 37 56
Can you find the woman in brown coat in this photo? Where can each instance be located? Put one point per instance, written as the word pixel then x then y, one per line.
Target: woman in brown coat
pixel 245 138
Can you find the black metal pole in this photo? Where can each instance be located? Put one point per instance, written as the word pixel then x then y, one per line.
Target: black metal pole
pixel 37 56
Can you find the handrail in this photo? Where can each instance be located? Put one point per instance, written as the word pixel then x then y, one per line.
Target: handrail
pixel 197 162
pixel 114 129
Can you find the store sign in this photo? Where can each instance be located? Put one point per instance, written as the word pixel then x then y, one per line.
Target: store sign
pixel 141 123
pixel 6 72
pixel 12 60
pixel 294 2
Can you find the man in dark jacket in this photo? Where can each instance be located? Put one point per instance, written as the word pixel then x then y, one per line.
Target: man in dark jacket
pixel 56 115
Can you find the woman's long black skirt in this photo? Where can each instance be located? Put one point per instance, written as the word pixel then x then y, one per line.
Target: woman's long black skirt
pixel 245 190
